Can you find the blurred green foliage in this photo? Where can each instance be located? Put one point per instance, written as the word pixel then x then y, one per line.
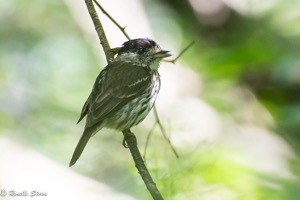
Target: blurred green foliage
pixel 259 52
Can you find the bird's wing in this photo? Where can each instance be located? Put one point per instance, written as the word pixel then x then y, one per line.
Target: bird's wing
pixel 120 83
pixel 94 93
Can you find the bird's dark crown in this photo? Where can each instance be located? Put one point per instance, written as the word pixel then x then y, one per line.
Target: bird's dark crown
pixel 139 45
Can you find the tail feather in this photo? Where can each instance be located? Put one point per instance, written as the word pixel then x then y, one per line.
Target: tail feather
pixel 88 132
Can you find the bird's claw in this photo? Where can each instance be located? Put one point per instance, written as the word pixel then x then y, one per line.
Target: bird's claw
pixel 124 143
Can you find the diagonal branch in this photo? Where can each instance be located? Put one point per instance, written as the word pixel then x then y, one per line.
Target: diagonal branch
pixel 112 19
pixel 140 165
pixel 129 137
pixel 164 131
pixel 147 142
pixel 181 53
pixel 100 31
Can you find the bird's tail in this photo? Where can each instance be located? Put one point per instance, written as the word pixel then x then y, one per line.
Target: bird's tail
pixel 88 132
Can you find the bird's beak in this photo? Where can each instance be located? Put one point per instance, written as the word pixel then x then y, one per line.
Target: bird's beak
pixel 162 54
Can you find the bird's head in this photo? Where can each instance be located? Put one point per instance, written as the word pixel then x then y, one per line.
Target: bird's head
pixel 144 52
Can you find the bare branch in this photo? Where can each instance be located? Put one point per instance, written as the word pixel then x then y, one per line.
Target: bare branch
pixel 100 31
pixel 147 141
pixel 164 131
pixel 122 29
pixel 181 53
pixel 140 165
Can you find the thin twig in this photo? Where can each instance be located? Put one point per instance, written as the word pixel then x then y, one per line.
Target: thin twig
pixel 113 20
pixel 181 53
pixel 140 165
pixel 164 132
pixel 147 141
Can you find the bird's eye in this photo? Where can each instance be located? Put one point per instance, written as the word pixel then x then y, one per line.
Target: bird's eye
pixel 140 50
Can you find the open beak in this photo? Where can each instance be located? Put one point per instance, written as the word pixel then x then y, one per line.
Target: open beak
pixel 162 54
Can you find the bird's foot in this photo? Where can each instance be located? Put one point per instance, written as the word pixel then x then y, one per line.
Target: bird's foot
pixel 124 142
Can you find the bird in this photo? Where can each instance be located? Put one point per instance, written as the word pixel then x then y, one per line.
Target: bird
pixel 124 91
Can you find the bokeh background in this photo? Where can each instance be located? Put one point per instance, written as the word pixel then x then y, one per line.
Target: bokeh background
pixel 231 104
